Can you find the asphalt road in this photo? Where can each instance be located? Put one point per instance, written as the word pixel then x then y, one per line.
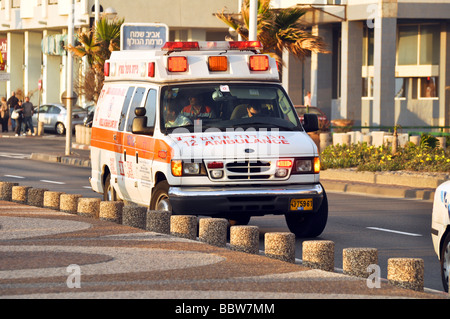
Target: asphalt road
pixel 396 227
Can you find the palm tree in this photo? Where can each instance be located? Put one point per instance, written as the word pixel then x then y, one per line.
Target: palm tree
pixel 96 45
pixel 278 30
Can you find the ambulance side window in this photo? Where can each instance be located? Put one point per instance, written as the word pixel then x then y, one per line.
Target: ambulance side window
pixel 150 108
pixel 137 100
pixel 126 104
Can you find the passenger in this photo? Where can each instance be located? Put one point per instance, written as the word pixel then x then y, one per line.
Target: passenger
pixel 196 109
pixel 253 110
pixel 173 118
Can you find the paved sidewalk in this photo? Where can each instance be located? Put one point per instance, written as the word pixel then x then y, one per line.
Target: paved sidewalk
pixel 43 251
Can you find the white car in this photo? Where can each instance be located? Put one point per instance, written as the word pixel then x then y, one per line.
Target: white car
pixel 54 115
pixel 440 229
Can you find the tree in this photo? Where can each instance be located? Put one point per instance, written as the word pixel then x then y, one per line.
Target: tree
pixel 96 45
pixel 278 30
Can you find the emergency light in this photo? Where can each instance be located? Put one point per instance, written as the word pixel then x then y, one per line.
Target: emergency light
pixel 212 46
pixel 177 64
pixel 259 63
pixel 218 63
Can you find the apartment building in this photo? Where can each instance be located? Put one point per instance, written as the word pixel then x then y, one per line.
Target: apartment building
pixel 30 31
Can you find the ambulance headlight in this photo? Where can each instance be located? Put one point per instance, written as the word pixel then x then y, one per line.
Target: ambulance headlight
pixel 182 168
pixel 307 166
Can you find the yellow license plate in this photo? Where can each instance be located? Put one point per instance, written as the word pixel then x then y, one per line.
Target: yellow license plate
pixel 302 204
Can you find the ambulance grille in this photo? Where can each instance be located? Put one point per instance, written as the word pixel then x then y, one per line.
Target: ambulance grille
pixel 252 170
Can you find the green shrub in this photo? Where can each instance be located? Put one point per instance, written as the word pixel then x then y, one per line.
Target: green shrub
pixel 426 157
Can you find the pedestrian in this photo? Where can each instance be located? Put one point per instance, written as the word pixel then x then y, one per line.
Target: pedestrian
pixel 28 110
pixel 4 113
pixel 12 103
pixel 19 119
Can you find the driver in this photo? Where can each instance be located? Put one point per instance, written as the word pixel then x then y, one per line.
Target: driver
pixel 172 119
pixel 196 109
pixel 253 110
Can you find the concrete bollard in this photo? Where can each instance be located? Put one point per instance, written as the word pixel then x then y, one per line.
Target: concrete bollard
pixel 356 260
pixel 158 221
pixel 88 207
pixel 20 194
pixel 442 142
pixel 367 139
pixel 111 211
pixel 318 254
pixel 325 140
pixel 346 139
pixel 213 231
pixel 244 239
pixel 6 190
pixel 406 273
pixel 36 197
pixel 184 226
pixel 280 246
pixel 415 140
pixel 52 199
pixel 68 203
pixel 134 216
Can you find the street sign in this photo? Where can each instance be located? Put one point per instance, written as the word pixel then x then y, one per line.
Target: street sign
pixel 5 76
pixel 143 36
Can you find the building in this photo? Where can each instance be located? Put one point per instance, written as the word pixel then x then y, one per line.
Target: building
pixel 389 64
pixel 31 30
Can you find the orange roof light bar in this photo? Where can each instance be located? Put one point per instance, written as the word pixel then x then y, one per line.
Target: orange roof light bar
pixel 177 64
pixel 259 63
pixel 181 46
pixel 218 63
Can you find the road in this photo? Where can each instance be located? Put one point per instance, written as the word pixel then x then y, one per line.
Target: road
pixel 396 227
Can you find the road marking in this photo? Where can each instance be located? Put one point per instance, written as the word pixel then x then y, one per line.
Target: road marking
pixel 87 187
pixel 52 182
pixel 15 155
pixel 15 176
pixel 395 231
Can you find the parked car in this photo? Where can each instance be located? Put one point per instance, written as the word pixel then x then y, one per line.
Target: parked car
pixel 324 123
pixel 90 116
pixel 440 229
pixel 54 117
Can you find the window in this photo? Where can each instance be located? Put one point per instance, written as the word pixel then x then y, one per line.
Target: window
pixel 137 100
pixel 367 87
pixel 425 87
pixel 126 104
pixel 400 87
pixel 418 45
pixel 150 107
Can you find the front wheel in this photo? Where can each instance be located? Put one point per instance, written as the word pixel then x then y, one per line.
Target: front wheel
pixel 445 262
pixel 160 197
pixel 309 225
pixel 60 128
pixel 109 193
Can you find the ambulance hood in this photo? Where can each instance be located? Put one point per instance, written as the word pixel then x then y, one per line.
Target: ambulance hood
pixel 243 144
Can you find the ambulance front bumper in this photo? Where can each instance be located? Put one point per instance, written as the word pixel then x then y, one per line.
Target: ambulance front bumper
pixel 235 201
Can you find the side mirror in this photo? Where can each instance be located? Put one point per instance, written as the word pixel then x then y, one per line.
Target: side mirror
pixel 140 123
pixel 310 122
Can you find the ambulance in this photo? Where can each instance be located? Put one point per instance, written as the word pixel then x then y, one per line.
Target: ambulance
pixel 206 129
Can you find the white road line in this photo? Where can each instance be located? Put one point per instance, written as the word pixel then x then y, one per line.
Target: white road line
pixel 87 187
pixel 52 182
pixel 15 176
pixel 395 231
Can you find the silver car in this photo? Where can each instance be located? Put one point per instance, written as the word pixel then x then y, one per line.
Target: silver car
pixel 54 115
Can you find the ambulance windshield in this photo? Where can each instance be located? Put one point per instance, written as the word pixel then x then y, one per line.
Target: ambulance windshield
pixel 223 106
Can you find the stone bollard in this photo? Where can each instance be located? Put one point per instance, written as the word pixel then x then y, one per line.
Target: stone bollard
pixel 406 273
pixel 36 197
pixel 325 140
pixel 415 140
pixel 280 246
pixel 356 261
pixel 367 139
pixel 158 221
pixel 52 199
pixel 68 203
pixel 213 231
pixel 318 254
pixel 6 190
pixel 244 239
pixel 346 139
pixel 111 211
pixel 20 194
pixel 88 207
pixel 184 226
pixel 134 216
pixel 442 142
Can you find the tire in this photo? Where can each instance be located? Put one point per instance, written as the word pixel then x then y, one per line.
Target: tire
pixel 60 128
pixel 445 261
pixel 109 193
pixel 160 197
pixel 310 225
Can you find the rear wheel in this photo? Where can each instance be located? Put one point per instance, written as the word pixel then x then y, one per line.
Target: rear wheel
pixel 445 261
pixel 160 197
pixel 310 225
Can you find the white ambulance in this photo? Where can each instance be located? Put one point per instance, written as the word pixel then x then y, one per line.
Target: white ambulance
pixel 205 128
